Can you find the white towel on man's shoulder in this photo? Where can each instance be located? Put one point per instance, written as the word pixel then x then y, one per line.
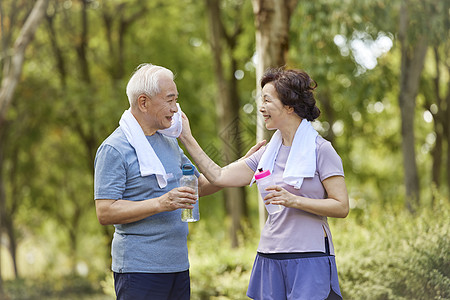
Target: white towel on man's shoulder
pixel 301 162
pixel 149 162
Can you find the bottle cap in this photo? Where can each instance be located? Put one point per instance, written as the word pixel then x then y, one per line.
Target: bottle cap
pixel 262 174
pixel 187 169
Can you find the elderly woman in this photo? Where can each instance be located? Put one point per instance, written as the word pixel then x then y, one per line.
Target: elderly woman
pixel 295 257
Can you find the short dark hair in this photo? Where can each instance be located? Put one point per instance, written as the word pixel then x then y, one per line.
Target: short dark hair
pixel 295 89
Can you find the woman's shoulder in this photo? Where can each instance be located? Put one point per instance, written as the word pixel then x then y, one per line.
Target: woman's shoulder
pixel 258 154
pixel 324 146
pixel 253 160
pixel 320 142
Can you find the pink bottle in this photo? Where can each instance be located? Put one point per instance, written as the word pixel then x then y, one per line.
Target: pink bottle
pixel 264 180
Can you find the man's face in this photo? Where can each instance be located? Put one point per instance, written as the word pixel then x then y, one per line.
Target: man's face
pixel 163 104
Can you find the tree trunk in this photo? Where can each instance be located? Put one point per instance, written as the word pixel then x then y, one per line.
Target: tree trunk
pixel 82 45
pixel 73 233
pixel 447 129
pixel 2 208
pixel 438 128
pixel 272 19
pixel 412 61
pixel 326 100
pixel 13 65
pixel 116 40
pixel 12 69
pixel 228 112
pixel 58 53
pixel 9 228
pixel 437 159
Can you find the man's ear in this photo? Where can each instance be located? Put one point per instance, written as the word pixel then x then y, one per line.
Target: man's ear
pixel 143 102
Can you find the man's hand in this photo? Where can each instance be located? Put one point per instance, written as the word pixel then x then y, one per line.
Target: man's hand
pixel 180 197
pixel 254 149
pixel 110 211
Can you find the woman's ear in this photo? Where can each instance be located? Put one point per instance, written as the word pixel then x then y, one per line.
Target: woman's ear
pixel 289 109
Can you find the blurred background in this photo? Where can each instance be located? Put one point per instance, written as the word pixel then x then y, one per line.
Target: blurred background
pixel 382 68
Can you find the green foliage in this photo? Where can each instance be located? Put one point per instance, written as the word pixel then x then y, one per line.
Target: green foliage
pixel 396 255
pixel 68 287
pixel 59 118
pixel 218 272
pixel 380 254
pixel 384 255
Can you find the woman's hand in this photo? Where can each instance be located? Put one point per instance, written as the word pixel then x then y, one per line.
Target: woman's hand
pixel 335 205
pixel 186 131
pixel 280 196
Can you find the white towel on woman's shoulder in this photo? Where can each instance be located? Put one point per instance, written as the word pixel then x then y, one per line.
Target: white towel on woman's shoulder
pixel 301 162
pixel 149 162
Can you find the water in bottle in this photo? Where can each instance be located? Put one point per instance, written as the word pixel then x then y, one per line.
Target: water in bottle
pixel 190 180
pixel 264 179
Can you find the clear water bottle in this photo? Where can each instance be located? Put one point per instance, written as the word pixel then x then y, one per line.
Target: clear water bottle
pixel 264 179
pixel 190 180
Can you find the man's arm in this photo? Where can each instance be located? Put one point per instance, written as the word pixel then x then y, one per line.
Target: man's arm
pixel 125 211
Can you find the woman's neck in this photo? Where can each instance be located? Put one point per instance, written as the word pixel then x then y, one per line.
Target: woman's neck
pixel 288 132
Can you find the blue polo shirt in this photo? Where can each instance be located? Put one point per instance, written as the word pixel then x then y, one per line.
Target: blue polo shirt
pixel 156 244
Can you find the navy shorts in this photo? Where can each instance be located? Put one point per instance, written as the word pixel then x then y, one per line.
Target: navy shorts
pixel 157 286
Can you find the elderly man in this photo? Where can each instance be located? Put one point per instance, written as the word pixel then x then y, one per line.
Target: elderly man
pixel 137 170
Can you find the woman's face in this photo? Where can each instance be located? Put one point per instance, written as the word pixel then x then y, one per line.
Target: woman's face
pixel 272 109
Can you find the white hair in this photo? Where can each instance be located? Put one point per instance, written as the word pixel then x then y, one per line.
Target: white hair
pixel 145 80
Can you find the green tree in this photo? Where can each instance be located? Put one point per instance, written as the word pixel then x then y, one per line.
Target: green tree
pixel 413 51
pixel 348 90
pixel 272 23
pixel 224 43
pixel 435 87
pixel 321 38
pixel 13 55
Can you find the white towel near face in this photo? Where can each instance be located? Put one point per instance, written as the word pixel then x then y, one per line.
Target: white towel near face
pixel 149 162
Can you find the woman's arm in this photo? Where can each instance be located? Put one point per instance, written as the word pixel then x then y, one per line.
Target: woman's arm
pixel 235 174
pixel 207 188
pixel 336 205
